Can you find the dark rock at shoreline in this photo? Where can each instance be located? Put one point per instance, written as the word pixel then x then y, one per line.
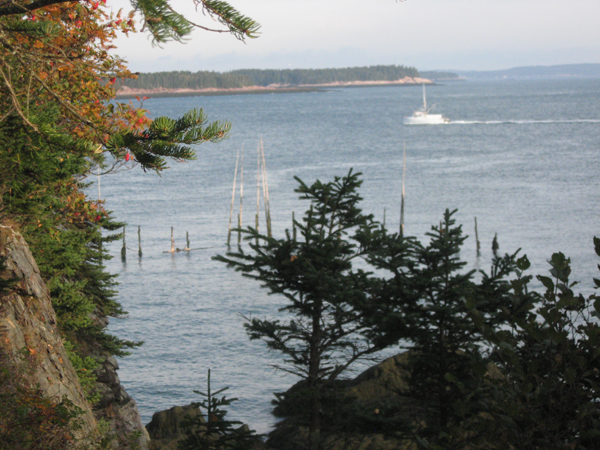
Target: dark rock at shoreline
pixel 118 408
pixel 359 414
pixel 165 428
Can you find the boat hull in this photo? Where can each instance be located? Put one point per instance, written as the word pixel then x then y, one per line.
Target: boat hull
pixel 426 119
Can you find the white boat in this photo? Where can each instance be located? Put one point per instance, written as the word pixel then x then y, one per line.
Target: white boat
pixel 422 116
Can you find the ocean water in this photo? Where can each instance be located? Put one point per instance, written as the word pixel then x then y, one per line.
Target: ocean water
pixel 521 156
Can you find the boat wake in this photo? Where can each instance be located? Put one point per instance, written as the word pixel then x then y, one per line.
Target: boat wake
pixel 520 122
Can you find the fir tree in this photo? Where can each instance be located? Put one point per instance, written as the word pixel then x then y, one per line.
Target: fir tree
pixel 211 430
pixel 427 304
pixel 327 297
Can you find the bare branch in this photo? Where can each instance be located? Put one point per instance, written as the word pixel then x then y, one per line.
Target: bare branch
pixel 14 98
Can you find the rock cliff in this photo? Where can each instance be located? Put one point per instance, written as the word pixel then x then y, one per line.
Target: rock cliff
pixel 30 344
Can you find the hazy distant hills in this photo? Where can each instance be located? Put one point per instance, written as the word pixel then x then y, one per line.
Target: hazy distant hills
pixel 535 72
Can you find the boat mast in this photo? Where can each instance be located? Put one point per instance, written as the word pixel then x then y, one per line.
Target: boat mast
pixel 424 100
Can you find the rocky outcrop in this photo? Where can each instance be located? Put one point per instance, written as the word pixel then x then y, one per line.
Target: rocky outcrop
pixel 29 339
pixel 118 409
pixel 359 414
pixel 28 334
pixel 166 429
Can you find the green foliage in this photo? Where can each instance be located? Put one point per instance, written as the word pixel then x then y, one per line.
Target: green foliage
pixel 426 302
pixel 165 24
pixel 549 395
pixel 84 367
pixel 57 81
pixel 40 192
pixel 168 138
pixel 212 430
pixel 490 365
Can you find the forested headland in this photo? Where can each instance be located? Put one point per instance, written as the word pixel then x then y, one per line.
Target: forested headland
pixel 244 78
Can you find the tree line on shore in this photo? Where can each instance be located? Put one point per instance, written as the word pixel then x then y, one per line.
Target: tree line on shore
pixel 265 77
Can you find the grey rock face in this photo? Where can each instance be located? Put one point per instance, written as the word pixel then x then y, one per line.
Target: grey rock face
pixel 118 408
pixel 28 326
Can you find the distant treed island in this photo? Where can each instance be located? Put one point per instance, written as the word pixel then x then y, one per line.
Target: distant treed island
pixel 185 82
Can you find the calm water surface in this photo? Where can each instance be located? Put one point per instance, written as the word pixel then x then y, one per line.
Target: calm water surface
pixel 521 156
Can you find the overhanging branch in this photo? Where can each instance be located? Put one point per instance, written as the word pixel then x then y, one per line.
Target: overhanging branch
pixel 15 8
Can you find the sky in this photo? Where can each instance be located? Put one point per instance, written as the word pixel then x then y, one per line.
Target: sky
pixel 426 34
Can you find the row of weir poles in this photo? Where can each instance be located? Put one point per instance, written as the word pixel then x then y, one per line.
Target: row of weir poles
pixel 124 247
pixel 261 179
pixel 173 248
pixel 477 243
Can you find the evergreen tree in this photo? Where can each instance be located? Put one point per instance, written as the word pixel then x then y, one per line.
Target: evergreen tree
pixel 549 394
pixel 427 304
pixel 326 329
pixel 211 430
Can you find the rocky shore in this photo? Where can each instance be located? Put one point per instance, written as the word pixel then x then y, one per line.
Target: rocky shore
pixel 373 398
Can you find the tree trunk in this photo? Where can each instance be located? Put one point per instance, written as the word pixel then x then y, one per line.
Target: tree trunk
pixel 314 384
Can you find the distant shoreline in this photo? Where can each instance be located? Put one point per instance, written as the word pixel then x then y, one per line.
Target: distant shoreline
pixel 126 92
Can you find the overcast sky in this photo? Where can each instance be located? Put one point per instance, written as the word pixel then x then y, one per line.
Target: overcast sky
pixel 426 34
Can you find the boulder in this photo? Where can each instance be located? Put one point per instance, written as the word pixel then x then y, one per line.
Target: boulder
pixel 355 413
pixel 118 409
pixel 165 428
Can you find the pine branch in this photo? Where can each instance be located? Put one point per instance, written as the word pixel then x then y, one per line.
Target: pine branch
pixel 240 26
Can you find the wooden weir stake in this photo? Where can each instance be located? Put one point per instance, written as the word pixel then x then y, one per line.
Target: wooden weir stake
pixel 257 189
pixel 477 239
pixel 187 248
pixel 293 226
pixel 139 242
pixel 124 248
pixel 237 160
pixel 266 190
pixel 241 191
pixel 402 203
pixel 256 223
